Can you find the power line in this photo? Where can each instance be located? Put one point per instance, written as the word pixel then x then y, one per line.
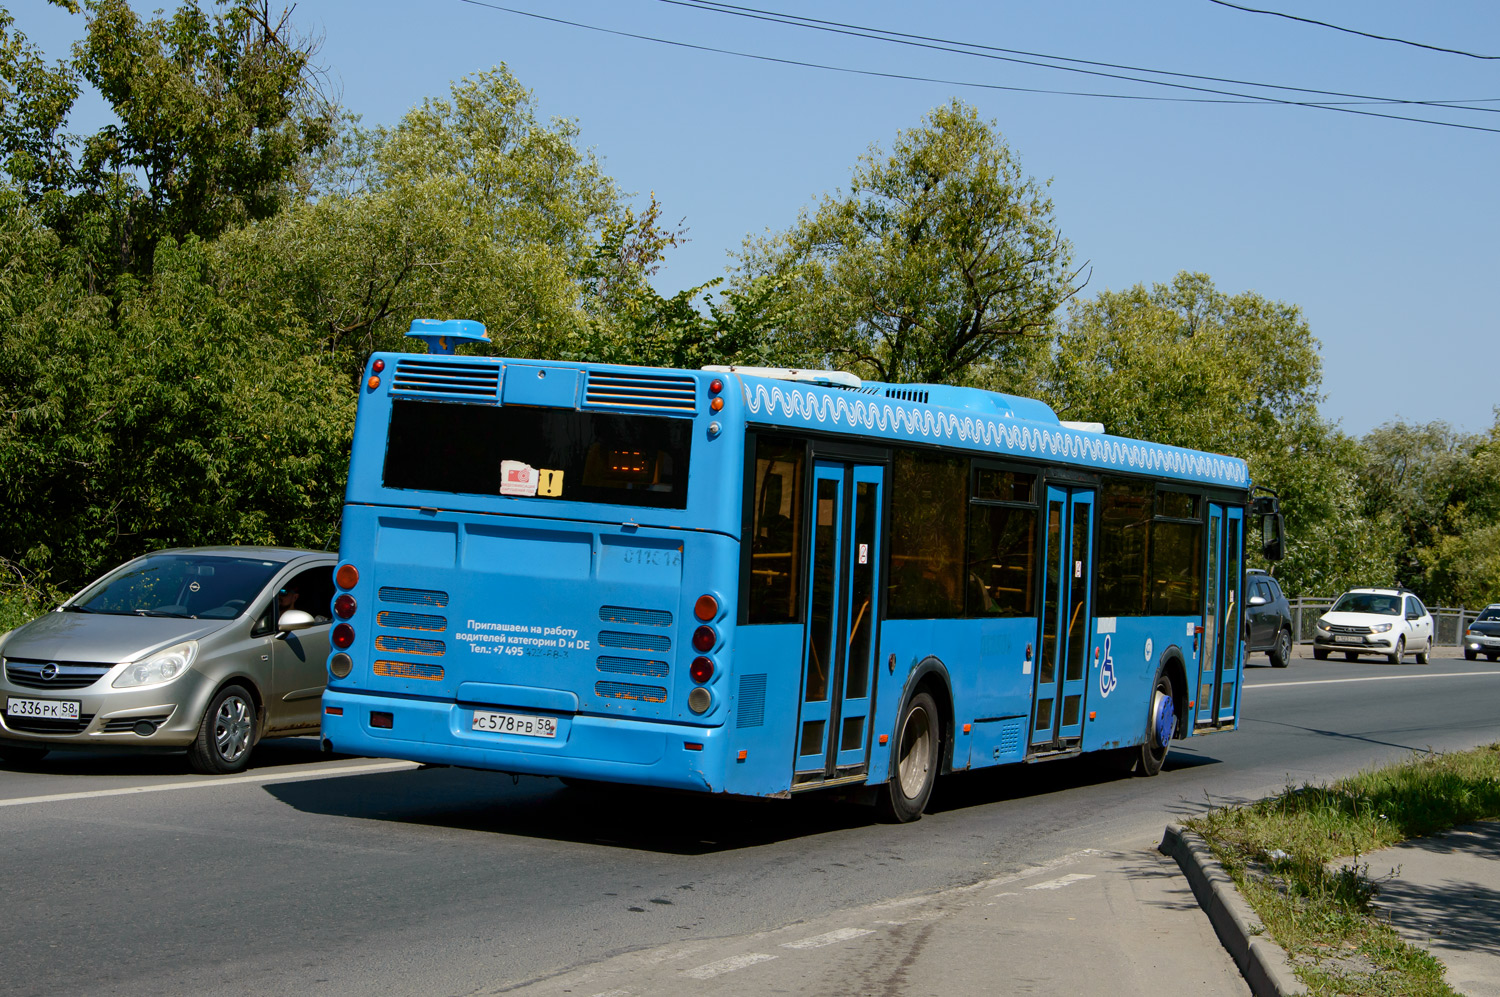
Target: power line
pixel 983 51
pixel 1352 31
pixel 1243 98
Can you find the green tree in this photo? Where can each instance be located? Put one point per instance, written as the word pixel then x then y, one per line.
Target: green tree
pixel 941 258
pixel 34 103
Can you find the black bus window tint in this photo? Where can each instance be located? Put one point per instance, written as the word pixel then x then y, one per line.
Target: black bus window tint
pixel 1124 548
pixel 1177 505
pixel 1002 560
pixel 578 456
pixel 1177 569
pixel 929 497
pixel 776 532
pixel 1003 486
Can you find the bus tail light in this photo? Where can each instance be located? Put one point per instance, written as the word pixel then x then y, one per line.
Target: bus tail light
pixel 342 636
pixel 344 606
pixel 382 719
pixel 347 577
pixel 704 639
pixel 700 699
pixel 702 669
pixel 341 665
pixel 706 608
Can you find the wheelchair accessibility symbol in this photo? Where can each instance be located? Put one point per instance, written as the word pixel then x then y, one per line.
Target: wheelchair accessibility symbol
pixel 1107 680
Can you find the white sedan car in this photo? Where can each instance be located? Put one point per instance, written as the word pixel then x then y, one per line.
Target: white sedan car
pixel 1389 622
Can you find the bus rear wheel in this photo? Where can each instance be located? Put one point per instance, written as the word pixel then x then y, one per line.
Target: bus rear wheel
pixel 914 763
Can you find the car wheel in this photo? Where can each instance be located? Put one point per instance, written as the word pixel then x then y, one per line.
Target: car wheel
pixel 1471 655
pixel 14 754
pixel 226 734
pixel 1320 654
pixel 1398 652
pixel 1351 655
pixel 914 764
pixel 1424 655
pixel 1281 651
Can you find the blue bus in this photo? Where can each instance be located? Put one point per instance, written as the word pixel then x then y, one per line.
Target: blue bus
pixel 768 581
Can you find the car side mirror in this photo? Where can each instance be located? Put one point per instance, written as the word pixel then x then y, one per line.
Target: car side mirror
pixel 1257 600
pixel 294 619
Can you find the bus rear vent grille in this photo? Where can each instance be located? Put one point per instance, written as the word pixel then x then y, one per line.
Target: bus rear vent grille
pixel 478 382
pixel 409 670
pixel 641 391
pixel 636 642
pixel 626 690
pixel 906 394
pixel 414 597
pixel 409 645
pixel 644 617
pixel 410 621
pixel 633 666
pixel 751 711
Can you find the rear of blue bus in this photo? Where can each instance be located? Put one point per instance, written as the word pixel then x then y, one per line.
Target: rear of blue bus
pixel 537 570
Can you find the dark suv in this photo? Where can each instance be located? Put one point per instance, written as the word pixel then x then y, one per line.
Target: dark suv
pixel 1268 618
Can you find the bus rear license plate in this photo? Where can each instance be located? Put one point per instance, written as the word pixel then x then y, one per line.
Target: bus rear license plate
pixel 514 723
pixel 44 709
pixel 1347 639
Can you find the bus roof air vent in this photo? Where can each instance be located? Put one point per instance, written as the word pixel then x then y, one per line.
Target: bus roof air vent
pixel 618 389
pixel 452 380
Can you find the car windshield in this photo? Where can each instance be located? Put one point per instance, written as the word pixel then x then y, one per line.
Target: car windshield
pixel 1489 613
pixel 186 586
pixel 1368 602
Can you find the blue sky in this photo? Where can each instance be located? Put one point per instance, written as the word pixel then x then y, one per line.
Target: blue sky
pixel 1386 233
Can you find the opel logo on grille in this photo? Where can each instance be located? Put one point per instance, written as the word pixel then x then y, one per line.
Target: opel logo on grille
pixel 49 671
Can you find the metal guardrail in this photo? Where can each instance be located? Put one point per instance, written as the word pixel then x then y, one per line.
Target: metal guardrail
pixel 1448 622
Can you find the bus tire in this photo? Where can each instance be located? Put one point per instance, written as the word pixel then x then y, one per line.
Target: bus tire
pixel 1161 724
pixel 914 761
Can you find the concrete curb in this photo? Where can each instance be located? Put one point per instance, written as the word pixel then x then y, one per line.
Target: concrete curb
pixel 1263 962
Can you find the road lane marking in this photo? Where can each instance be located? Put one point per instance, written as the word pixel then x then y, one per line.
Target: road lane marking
pixel 828 938
pixel 229 780
pixel 712 969
pixel 1372 678
pixel 1060 882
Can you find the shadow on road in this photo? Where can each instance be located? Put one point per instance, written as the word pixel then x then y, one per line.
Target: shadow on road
pixel 267 757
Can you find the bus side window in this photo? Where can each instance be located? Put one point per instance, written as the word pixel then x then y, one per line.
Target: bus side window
pixel 776 531
pixel 929 503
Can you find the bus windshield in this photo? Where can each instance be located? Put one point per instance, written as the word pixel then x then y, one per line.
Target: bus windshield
pixel 550 453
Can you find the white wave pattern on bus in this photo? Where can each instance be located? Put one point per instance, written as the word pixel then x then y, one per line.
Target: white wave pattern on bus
pixel 861 413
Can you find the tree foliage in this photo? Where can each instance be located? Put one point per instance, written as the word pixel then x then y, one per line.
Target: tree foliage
pixel 942 256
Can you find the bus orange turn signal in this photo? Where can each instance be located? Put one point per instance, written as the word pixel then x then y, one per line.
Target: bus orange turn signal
pixel 347 577
pixel 706 608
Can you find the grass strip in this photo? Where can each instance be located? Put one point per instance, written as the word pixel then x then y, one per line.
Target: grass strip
pixel 1295 857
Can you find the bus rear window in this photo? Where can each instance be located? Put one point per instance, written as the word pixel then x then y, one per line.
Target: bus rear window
pixel 550 453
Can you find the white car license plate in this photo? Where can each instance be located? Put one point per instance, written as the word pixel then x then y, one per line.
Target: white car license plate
pixel 1348 639
pixel 45 709
pixel 514 723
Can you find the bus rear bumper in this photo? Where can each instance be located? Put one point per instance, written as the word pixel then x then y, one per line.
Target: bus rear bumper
pixel 647 753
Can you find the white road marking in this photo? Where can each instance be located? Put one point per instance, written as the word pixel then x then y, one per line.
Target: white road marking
pixel 614 993
pixel 1374 678
pixel 1060 882
pixel 829 938
pixel 712 969
pixel 228 780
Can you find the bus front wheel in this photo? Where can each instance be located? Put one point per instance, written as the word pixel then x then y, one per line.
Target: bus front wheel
pixel 914 763
pixel 1161 724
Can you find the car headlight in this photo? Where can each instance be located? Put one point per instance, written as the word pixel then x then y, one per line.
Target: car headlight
pixel 163 666
pixel 1322 627
pixel 1380 628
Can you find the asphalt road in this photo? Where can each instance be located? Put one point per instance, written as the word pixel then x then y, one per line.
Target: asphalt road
pixel 352 876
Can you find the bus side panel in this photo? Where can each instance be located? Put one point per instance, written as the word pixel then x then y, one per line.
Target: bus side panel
pixel 767 686
pixel 1122 673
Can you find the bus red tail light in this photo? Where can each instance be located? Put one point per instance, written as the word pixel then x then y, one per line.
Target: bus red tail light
pixel 347 577
pixel 702 669
pixel 706 608
pixel 344 606
pixel 704 639
pixel 342 636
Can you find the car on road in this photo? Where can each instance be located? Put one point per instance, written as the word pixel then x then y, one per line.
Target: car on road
pixel 207 649
pixel 1483 635
pixel 1389 622
pixel 1268 618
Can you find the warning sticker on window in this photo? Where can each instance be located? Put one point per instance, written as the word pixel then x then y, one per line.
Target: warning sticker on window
pixel 517 478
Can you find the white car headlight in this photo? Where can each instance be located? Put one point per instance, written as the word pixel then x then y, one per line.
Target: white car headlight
pixel 1322 626
pixel 1380 628
pixel 163 666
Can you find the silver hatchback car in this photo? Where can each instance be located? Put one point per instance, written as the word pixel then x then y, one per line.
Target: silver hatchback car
pixel 207 648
